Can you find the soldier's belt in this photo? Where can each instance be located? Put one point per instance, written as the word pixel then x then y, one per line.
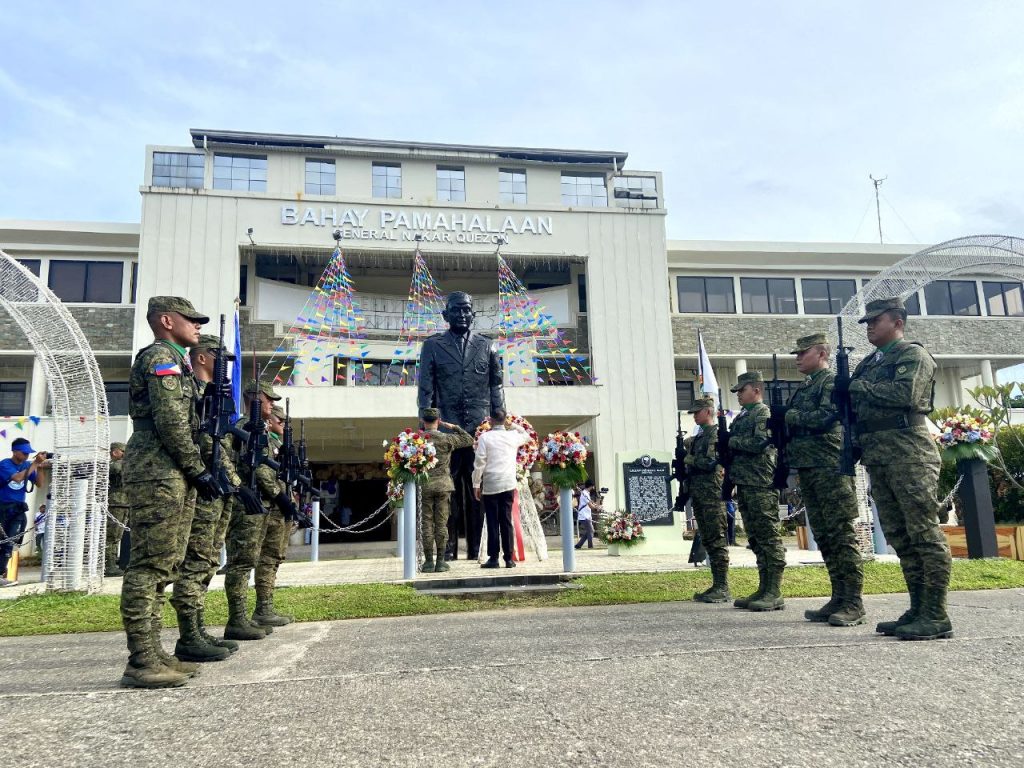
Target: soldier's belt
pixel 895 421
pixel 143 424
pixel 808 432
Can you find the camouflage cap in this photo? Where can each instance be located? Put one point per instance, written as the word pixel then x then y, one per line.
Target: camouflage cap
pixel 117 446
pixel 430 414
pixel 176 304
pixel 278 411
pixel 806 342
pixel 750 377
pixel 878 306
pixel 210 343
pixel 701 403
pixel 253 387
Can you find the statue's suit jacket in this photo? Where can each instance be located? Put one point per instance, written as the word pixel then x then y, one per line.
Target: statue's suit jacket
pixel 465 389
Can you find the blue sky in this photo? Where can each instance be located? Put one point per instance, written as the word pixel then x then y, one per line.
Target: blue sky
pixel 766 118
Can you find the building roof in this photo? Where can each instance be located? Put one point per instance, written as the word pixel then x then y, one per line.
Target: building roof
pixel 244 139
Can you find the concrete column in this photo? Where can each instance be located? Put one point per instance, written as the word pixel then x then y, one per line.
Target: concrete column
pixel 956 395
pixel 37 389
pixel 739 369
pixel 987 377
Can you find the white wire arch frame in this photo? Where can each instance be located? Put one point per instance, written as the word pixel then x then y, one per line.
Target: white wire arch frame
pixel 79 475
pixel 995 255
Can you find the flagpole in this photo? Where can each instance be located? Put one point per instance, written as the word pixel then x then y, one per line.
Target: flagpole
pixel 700 361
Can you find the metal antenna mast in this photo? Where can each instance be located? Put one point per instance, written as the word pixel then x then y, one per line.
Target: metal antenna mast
pixel 878 208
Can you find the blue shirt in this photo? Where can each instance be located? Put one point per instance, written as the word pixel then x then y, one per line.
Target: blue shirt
pixel 13 490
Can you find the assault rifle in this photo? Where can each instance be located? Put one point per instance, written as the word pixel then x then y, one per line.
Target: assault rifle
pixel 848 454
pixel 777 427
pixel 290 470
pixel 218 406
pixel 722 448
pixel 679 466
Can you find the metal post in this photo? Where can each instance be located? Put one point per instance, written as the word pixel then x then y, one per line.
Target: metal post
pixel 568 552
pixel 979 519
pixel 76 534
pixel 400 535
pixel 407 526
pixel 878 537
pixel 812 544
pixel 314 533
pixel 43 549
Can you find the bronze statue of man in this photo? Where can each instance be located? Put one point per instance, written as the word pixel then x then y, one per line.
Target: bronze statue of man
pixel 460 374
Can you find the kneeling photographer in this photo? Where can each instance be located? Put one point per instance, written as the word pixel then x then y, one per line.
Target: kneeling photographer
pixel 15 474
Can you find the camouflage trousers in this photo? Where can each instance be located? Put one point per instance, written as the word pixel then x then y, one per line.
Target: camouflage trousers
pixel 272 552
pixel 906 496
pixel 161 517
pixel 434 521
pixel 831 502
pixel 114 534
pixel 244 541
pixel 200 558
pixel 709 511
pixel 222 525
pixel 759 509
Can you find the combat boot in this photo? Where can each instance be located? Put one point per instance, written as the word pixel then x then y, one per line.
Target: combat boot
pixel 231 645
pixel 188 668
pixel 265 616
pixel 191 645
pixel 719 591
pixel 441 566
pixel 888 628
pixel 111 570
pixel 145 669
pixel 771 599
pixel 428 564
pixel 239 627
pixel 743 602
pixel 932 622
pixel 833 604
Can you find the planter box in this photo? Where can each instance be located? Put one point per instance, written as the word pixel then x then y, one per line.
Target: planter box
pixel 1009 541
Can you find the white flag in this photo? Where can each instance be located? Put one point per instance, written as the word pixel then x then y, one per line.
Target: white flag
pixel 708 382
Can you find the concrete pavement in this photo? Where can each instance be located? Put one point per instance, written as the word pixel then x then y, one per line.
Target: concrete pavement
pixel 674 684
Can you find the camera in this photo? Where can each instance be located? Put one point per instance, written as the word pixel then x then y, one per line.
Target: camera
pixel 45 454
pixel 603 491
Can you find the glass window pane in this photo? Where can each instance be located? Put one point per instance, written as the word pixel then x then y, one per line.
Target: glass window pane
pixel 161 181
pixel 104 282
pixel 67 279
pixel 326 189
pixel 222 183
pixel 379 170
pixel 1013 297
pixel 240 185
pixel 720 296
pixel 994 298
pixel 691 294
pixel 841 291
pixel 782 292
pixel 195 161
pixel 936 298
pixel 754 292
pixel 222 160
pixel 257 186
pixel 964 296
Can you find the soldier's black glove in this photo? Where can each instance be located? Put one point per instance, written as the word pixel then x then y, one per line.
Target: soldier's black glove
pixel 287 506
pixel 250 501
pixel 207 487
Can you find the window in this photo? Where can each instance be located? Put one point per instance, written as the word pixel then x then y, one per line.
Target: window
pixel 826 297
pixel 87 281
pixel 636 192
pixel 768 296
pixel 12 398
pixel 912 302
pixel 135 278
pixel 581 291
pixel 387 180
pixel 451 184
pixel 117 397
pixel 555 372
pixel 320 179
pixel 587 189
pixel 240 173
pixel 243 285
pixel 32 265
pixel 178 169
pixel 706 294
pixel 684 395
pixel 1004 299
pixel 952 297
pixel 512 185
pixel 786 387
pixel 376 373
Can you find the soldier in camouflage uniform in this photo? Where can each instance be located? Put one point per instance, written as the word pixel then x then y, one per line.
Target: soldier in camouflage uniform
pixel 752 469
pixel 704 477
pixel 280 525
pixel 117 506
pixel 196 572
pixel 892 392
pixel 438 489
pixel 246 532
pixel 816 437
pixel 164 471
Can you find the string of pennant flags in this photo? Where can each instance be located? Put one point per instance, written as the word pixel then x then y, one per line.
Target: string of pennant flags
pixel 327 343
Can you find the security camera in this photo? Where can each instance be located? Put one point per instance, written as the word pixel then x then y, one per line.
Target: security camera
pixel 249 231
pixel 337 235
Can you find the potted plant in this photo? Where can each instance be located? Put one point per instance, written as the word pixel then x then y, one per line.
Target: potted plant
pixel 620 529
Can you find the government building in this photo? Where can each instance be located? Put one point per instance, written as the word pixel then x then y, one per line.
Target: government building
pixel 253 218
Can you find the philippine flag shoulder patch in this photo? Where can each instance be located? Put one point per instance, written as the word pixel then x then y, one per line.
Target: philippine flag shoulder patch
pixel 167 369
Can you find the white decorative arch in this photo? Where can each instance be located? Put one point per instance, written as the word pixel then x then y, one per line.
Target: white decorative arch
pixel 996 255
pixel 76 514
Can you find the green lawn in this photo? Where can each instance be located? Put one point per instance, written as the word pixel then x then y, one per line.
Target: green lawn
pixel 58 614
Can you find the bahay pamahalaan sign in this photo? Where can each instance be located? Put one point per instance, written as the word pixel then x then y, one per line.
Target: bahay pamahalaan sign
pixel 432 226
